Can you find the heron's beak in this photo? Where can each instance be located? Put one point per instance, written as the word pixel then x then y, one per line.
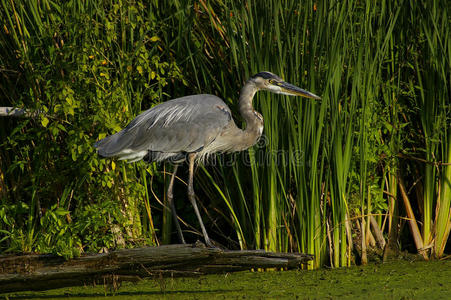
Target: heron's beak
pixel 289 89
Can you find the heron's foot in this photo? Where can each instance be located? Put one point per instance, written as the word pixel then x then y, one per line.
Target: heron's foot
pixel 200 244
pixel 209 243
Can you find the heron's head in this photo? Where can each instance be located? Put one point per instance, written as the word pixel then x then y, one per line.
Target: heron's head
pixel 273 83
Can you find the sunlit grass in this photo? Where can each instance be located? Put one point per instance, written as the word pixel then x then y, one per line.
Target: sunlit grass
pixel 323 168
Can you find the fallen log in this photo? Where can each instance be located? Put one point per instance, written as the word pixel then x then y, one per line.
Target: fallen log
pixel 42 272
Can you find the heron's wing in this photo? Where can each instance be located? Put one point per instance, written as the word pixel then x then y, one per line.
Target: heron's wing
pixel 185 124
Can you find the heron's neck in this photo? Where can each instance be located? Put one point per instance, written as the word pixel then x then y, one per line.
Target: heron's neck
pixel 254 122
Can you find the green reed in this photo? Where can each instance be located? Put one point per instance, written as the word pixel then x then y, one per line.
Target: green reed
pixel 350 54
pixel 321 172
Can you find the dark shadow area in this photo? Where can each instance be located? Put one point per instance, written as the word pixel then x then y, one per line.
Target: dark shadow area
pixel 110 294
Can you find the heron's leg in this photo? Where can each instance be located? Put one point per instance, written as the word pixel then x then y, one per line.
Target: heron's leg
pixel 192 198
pixel 171 202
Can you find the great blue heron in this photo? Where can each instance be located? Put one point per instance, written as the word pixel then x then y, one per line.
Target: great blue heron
pixel 191 128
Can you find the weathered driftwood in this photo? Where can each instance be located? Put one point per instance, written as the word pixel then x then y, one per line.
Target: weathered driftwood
pixel 14 112
pixel 41 272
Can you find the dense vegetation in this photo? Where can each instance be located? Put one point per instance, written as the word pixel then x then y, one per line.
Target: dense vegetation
pixel 376 148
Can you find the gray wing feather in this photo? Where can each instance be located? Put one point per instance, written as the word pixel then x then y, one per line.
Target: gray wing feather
pixel 180 125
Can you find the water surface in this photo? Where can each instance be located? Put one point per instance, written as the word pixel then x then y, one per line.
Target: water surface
pixel 394 280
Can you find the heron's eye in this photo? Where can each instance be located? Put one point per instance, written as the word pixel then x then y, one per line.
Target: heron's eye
pixel 274 82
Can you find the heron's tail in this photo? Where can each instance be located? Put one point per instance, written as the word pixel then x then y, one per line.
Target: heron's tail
pixel 104 146
pixel 113 145
pixel 119 145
